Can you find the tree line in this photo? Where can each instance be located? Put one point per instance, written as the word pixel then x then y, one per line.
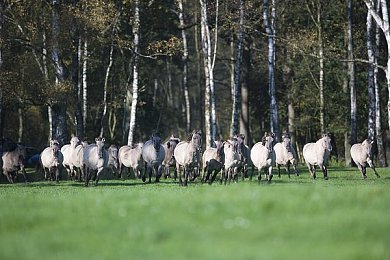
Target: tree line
pixel 124 69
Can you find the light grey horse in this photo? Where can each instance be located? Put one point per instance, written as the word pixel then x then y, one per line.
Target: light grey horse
pixel 153 154
pixel 13 159
pixel 131 157
pixel 233 162
pixel 361 155
pixel 317 154
pixel 51 159
pixel 95 159
pixel 285 155
pixel 263 156
pixel 188 155
pixel 169 160
pixel 213 160
pixel 68 151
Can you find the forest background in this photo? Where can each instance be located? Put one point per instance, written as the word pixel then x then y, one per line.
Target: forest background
pixel 125 69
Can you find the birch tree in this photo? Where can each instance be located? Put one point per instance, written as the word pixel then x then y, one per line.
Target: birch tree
pixel 371 87
pixel 378 128
pixel 269 25
pixel 136 36
pixel 210 113
pixel 315 14
pixel 234 128
pixel 352 88
pixel 1 65
pixel 185 66
pixel 57 109
pixel 383 23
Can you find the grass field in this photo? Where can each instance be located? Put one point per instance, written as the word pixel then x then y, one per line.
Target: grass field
pixel 298 218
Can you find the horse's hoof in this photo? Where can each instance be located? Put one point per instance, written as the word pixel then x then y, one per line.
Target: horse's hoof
pixel 326 178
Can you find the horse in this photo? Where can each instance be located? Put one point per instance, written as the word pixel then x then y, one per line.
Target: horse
pixel 318 154
pixel 213 160
pixel 95 158
pixel 263 156
pixel 187 154
pixel 131 157
pixel 153 155
pixel 169 160
pixel 361 155
pixel 285 155
pixel 68 151
pixel 13 159
pixel 51 158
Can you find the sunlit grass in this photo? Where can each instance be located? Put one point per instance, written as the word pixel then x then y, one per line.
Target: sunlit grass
pixel 345 217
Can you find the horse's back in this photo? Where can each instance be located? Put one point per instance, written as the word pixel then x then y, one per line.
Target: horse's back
pixel 259 154
pixel 357 153
pixel 181 153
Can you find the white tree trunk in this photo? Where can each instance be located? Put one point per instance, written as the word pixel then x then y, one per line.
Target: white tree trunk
pixel 269 25
pixel 383 23
pixel 234 128
pixel 210 114
pixel 185 67
pixel 84 83
pixel 371 87
pixel 105 90
pixel 134 101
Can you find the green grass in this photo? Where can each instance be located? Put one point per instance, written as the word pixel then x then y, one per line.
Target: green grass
pixel 298 218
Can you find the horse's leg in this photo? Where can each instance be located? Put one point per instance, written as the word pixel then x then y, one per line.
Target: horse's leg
pixel 278 170
pixel 372 166
pixel 288 168
pixel 310 170
pixel 57 174
pixel 179 173
pixel 325 171
pixel 9 178
pixel 159 173
pixel 87 176
pixel 46 171
pixel 99 170
pixel 295 169
pixel 270 173
pixel 186 175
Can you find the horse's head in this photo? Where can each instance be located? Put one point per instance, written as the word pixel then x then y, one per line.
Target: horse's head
pixel 367 144
pixel 100 146
pixel 74 141
pixel 325 140
pixel 268 140
pixel 240 145
pixel 196 139
pixel 55 147
pixel 286 142
pixel 156 140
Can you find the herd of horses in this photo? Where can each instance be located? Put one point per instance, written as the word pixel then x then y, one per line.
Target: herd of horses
pixel 230 158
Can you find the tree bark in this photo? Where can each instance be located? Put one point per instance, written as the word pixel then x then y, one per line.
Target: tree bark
pixel 134 101
pixel 352 89
pixel 245 73
pixel 1 65
pixel 75 80
pixel 378 131
pixel 185 67
pixel 84 84
pixel 58 108
pixel 383 23
pixel 105 89
pixel 234 128
pixel 269 25
pixel 210 115
pixel 371 87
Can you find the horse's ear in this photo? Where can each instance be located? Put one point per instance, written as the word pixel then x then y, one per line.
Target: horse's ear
pixel 103 140
pixel 168 145
pixel 96 139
